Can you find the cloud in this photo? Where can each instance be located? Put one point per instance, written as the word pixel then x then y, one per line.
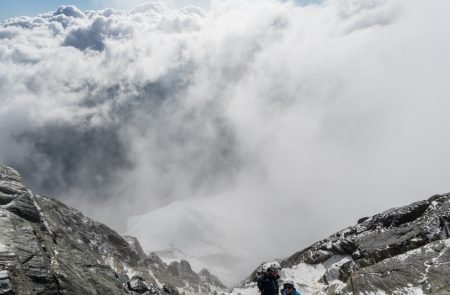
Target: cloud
pixel 323 112
pixel 69 11
pixel 132 4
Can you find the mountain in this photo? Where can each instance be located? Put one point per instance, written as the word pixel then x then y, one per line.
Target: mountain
pixel 47 247
pixel 220 232
pixel 191 230
pixel 400 251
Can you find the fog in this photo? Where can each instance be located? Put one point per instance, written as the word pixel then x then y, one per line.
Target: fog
pixel 304 117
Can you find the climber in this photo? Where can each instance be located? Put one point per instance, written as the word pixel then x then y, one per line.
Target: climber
pixel 268 281
pixel 289 288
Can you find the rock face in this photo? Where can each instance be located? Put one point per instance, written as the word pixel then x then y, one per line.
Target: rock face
pixel 49 248
pixel 401 251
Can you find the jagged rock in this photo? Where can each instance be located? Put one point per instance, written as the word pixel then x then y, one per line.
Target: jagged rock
pixel 362 219
pixel 5 283
pixel 48 248
pixel 208 278
pixel 170 290
pixel 183 270
pixel 24 207
pixel 135 246
pixel 138 285
pixel 154 259
pixel 425 269
pixel 346 271
pixel 400 251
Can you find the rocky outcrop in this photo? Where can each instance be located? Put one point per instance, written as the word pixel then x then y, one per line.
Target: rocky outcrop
pixel 401 251
pixel 47 247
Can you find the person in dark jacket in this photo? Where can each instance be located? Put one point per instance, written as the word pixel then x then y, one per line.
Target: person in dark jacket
pixel 268 281
pixel 289 288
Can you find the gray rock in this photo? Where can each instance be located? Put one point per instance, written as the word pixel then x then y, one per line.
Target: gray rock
pixel 135 246
pixel 423 269
pixel 138 285
pixel 47 247
pixel 207 278
pixel 400 251
pixel 5 283
pixel 184 271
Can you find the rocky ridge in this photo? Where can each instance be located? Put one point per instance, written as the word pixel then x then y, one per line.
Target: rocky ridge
pixel 47 247
pixel 400 251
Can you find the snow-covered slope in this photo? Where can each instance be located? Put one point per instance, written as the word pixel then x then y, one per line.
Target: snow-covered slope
pixel 197 231
pixel 217 233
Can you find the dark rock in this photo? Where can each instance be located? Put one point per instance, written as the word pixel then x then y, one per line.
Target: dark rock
pixel 48 248
pixel 10 175
pixel 11 182
pixel 135 246
pixel 184 271
pixel 170 290
pixel 5 283
pixel 400 251
pixel 427 289
pixel 346 271
pixel 361 220
pixel 154 259
pixel 399 216
pixel 314 257
pixel 208 278
pixel 138 285
pixel 24 207
pixel 407 270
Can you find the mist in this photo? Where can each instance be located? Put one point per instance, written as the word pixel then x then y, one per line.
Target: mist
pixel 301 118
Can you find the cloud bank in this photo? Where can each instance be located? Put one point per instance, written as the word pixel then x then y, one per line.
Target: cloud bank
pixel 323 112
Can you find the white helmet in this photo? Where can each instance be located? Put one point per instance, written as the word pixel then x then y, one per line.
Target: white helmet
pixel 288 282
pixel 274 266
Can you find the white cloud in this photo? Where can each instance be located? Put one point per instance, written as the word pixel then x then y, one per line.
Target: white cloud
pixel 130 4
pixel 336 110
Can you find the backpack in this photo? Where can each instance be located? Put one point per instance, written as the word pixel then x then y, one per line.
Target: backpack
pixel 260 277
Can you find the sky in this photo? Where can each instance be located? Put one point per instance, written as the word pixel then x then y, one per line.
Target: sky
pixel 10 9
pixel 304 118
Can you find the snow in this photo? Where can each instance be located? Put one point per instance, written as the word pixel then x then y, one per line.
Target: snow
pixel 308 275
pixel 305 276
pixel 447 242
pixel 3 248
pixel 195 231
pixel 210 233
pixel 6 206
pixel 4 274
pixel 379 292
pixel 409 291
pixel 242 291
pixel 44 221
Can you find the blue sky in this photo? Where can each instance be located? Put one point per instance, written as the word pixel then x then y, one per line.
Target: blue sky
pixel 32 7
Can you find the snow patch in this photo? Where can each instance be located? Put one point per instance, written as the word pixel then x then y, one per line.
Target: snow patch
pixel 44 221
pixel 4 274
pixel 3 248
